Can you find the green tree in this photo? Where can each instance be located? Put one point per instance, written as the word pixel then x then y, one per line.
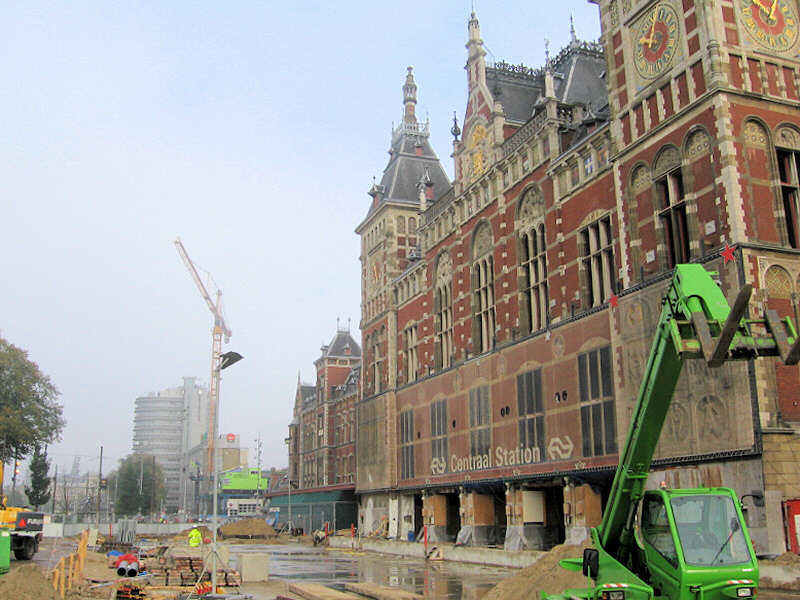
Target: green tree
pixel 139 485
pixel 39 492
pixel 30 417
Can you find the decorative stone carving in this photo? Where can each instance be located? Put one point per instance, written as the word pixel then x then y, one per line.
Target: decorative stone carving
pixel 678 424
pixel 640 180
pixel 787 138
pixel 444 269
pixel 712 417
pixel 777 282
pixel 532 206
pixel 558 347
pixel 698 143
pixel 755 134
pixel 483 241
pixel 667 160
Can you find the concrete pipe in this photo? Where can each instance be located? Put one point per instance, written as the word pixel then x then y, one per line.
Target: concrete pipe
pixel 133 569
pixel 122 568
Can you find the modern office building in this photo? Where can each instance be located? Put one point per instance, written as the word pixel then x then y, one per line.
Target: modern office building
pixel 167 425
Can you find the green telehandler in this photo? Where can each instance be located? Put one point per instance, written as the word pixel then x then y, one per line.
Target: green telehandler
pixel 680 544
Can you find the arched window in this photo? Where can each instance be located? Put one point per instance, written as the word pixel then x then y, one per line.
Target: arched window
pixel 671 206
pixel 532 245
pixel 787 142
pixel 483 324
pixel 443 312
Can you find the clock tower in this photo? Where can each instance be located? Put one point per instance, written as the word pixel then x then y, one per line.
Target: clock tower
pixel 705 117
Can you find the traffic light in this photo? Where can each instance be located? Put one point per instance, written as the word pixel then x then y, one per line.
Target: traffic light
pixel 103 483
pixel 16 466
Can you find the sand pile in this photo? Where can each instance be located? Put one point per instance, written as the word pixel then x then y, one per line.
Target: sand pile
pixel 248 528
pixel 26 583
pixel 787 559
pixel 544 575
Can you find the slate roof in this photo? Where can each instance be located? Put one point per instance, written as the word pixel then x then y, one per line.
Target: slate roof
pixel 342 346
pixel 578 73
pixel 411 156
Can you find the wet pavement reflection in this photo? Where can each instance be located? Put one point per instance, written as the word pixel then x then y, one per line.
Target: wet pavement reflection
pixel 334 568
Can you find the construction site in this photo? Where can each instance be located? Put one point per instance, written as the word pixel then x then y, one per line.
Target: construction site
pixel 262 564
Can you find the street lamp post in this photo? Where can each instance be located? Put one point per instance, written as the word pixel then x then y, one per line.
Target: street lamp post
pixel 225 361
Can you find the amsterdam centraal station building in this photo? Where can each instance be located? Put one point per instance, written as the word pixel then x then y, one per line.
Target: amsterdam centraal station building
pixel 507 316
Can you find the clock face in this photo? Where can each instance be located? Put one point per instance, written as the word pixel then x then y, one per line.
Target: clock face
pixel 771 24
pixel 656 41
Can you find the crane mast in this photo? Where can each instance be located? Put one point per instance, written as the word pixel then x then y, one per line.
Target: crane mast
pixel 220 329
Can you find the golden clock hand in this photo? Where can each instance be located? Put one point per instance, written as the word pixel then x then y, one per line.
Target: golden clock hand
pixel 652 32
pixel 772 11
pixel 761 6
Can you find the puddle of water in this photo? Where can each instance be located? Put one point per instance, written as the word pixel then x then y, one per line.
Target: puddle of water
pixel 436 580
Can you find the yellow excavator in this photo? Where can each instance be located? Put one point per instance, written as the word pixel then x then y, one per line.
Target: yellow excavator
pixel 25 528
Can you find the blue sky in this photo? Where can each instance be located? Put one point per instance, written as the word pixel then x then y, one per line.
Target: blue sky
pixel 253 131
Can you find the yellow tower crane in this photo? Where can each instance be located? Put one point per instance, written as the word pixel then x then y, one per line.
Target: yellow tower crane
pixel 220 330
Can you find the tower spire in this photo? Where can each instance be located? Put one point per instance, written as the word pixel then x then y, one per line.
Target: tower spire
pixel 410 98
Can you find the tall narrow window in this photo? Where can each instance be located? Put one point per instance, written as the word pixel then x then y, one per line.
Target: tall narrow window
pixel 375 353
pixel 533 261
pixel 480 421
pixel 597 261
pixel 484 303
pixel 439 431
pixel 407 444
pixel 443 312
pixel 788 170
pixel 530 406
pixel 483 319
pixel 532 250
pixel 598 424
pixel 672 216
pixel 411 352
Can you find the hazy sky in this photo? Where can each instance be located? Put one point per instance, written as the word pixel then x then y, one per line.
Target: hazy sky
pixel 253 131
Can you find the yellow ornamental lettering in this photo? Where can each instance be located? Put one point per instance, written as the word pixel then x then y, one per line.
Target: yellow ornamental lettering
pixel 760 35
pixel 750 22
pixel 747 12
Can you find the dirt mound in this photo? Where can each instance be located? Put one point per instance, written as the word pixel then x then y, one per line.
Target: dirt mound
pixel 543 575
pixel 26 583
pixel 787 559
pixel 248 528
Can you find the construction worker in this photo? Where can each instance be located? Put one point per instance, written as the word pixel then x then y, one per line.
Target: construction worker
pixel 195 538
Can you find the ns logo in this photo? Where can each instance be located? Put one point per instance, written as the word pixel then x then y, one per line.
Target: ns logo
pixel 438 466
